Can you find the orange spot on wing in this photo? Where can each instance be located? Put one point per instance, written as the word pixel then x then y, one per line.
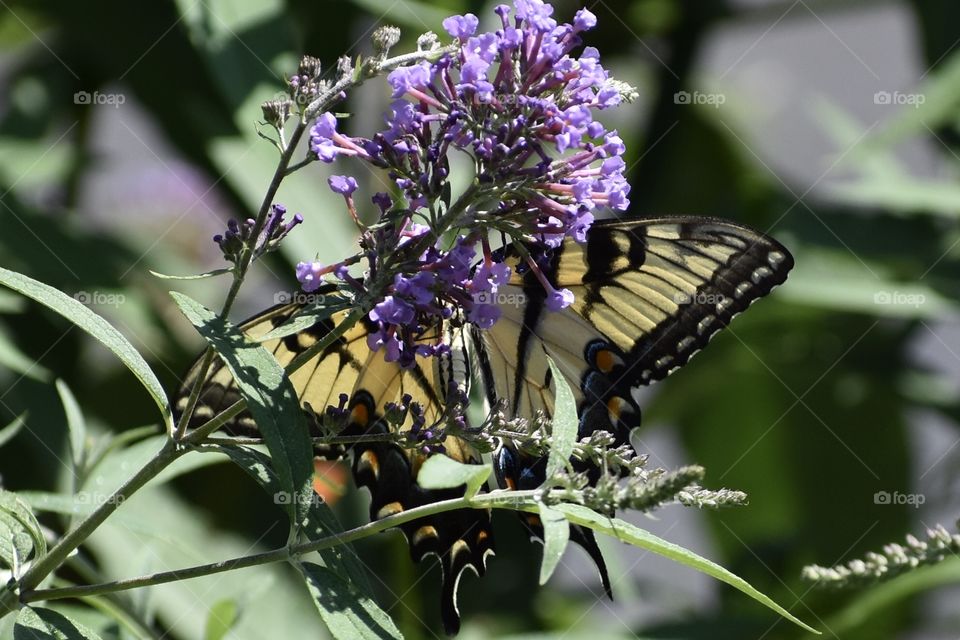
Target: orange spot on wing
pixel 360 415
pixel 424 532
pixel 614 406
pixel 605 360
pixel 369 460
pixel 389 509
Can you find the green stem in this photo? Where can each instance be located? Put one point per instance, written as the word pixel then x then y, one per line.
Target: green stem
pixel 243 264
pixel 516 500
pixel 73 539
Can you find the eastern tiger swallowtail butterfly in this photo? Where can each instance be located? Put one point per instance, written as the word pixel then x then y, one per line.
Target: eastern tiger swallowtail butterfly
pixel 649 293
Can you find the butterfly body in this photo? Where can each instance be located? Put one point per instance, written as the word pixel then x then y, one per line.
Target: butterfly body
pixel 648 295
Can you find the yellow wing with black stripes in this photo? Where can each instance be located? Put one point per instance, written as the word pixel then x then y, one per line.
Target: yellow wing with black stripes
pixel 648 294
pixel 461 539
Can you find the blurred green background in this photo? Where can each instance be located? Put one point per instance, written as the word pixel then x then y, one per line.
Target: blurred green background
pixel 127 139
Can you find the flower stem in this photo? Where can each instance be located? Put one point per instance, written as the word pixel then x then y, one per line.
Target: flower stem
pixel 59 552
pixel 517 500
pixel 243 264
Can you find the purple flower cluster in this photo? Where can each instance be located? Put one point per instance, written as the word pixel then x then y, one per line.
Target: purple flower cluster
pixel 275 229
pixel 522 104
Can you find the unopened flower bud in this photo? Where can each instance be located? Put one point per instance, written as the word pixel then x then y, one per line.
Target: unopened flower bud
pixel 427 42
pixel 344 66
pixel 384 39
pixel 276 112
pixel 309 67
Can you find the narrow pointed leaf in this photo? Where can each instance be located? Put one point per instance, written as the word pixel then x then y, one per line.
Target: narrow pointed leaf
pixel 271 400
pixel 12 358
pixel 631 534
pixel 38 623
pixel 347 613
pixel 97 327
pixel 10 431
pixel 76 425
pixel 223 617
pixel 306 319
pixel 556 535
pixel 198 276
pixel 564 424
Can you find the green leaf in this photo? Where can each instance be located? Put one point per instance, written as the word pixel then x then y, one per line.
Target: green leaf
pixel 198 276
pixel 307 317
pixel 564 424
pixel 10 431
pixel 442 472
pixel 170 532
pixel 223 616
pixel 638 537
pixel 37 623
pixel 11 357
pixel 347 613
pixel 76 426
pixel 103 617
pixel 20 534
pixel 556 535
pixel 97 327
pixel 271 400
pixel 320 521
pixel 11 302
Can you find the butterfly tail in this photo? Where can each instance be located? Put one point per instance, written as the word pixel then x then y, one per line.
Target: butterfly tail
pixel 586 539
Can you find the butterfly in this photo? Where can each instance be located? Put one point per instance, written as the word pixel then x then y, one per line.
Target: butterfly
pixel 649 294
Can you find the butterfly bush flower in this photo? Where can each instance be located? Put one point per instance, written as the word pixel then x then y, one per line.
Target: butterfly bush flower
pixel 275 229
pixel 521 101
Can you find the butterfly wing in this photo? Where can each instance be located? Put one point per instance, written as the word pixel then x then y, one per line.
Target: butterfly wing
pixel 648 293
pixel 461 539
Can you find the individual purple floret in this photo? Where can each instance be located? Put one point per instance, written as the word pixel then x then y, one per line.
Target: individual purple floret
pixel 344 185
